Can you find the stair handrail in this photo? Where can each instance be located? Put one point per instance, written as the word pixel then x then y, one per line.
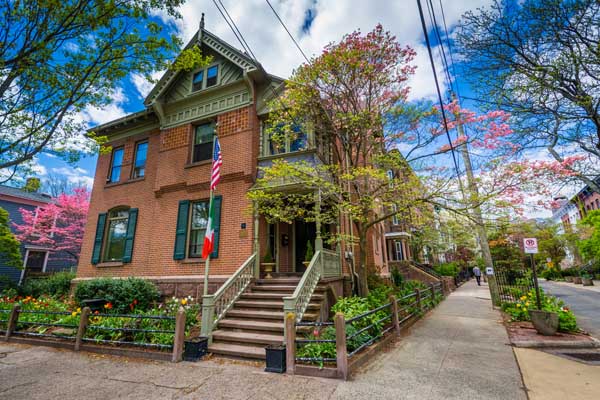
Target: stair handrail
pixel 214 306
pixel 298 301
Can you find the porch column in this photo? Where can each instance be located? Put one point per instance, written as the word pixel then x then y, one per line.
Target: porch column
pixel 256 241
pixel 318 238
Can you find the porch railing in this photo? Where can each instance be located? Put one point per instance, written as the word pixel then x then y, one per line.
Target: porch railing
pixel 332 267
pixel 214 306
pixel 324 264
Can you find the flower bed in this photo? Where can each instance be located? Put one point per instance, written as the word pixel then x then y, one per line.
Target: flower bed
pixel 60 317
pixel 519 310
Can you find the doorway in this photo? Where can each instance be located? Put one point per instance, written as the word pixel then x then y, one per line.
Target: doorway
pixel 304 232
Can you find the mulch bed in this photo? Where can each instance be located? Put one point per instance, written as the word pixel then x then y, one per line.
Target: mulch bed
pixel 523 334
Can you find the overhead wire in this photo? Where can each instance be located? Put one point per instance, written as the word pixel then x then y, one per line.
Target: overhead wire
pixel 235 31
pixel 288 31
pixel 437 85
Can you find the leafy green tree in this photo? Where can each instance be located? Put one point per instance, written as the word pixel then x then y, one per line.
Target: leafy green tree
pixel 59 57
pixel 589 245
pixel 10 251
pixel 540 61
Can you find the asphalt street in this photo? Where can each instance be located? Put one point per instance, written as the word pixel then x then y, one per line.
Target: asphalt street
pixel 584 303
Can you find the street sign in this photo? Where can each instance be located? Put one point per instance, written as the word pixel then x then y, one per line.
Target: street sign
pixel 489 271
pixel 530 245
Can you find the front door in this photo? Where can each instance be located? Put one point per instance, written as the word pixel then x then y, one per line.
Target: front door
pixel 304 232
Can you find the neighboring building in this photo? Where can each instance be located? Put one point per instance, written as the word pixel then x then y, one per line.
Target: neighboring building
pixel 36 259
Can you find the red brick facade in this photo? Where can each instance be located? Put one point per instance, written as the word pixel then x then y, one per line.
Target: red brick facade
pixel 170 178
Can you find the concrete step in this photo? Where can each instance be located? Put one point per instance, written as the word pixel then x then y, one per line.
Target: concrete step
pixel 238 350
pixel 264 315
pixel 266 304
pixel 221 335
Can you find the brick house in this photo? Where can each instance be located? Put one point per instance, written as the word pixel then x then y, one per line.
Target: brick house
pixel 36 259
pixel 149 204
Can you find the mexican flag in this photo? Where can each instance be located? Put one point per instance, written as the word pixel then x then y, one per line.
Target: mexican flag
pixel 209 237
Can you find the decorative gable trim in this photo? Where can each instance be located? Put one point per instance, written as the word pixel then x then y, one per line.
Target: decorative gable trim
pixel 203 36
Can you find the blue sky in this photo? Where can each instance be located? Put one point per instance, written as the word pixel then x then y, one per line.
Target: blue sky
pixel 314 23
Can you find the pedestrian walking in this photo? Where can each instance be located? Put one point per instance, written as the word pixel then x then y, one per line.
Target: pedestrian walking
pixel 477 273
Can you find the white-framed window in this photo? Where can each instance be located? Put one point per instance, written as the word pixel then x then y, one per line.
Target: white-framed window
pixel 395 220
pixel 390 175
pixel 205 78
pixel 399 254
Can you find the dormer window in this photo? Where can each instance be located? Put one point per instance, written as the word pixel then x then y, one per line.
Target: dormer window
pixel 211 76
pixel 205 78
pixel 197 81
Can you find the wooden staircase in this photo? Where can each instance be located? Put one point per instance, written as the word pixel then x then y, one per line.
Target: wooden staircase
pixel 256 318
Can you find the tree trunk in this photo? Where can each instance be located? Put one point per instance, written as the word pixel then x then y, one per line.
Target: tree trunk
pixel 363 287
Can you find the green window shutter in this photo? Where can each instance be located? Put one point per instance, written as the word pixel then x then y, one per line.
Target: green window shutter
pixel 181 231
pixel 133 213
pixel 217 200
pixel 98 238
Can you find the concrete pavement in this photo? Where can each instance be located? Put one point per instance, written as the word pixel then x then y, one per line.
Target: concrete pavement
pixel 583 301
pixel 458 351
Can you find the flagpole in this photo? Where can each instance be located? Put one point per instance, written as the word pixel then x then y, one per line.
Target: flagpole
pixel 207 261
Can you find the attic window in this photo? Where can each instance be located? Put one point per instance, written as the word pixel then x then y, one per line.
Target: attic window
pixel 211 76
pixel 197 81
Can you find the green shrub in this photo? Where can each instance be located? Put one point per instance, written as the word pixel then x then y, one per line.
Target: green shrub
pixel 397 277
pixel 447 269
pixel 120 293
pixel 551 274
pixel 58 284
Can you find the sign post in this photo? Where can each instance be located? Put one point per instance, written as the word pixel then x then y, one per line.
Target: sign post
pixel 530 245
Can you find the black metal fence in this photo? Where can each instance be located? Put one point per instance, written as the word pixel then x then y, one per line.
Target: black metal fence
pixel 512 283
pixel 363 330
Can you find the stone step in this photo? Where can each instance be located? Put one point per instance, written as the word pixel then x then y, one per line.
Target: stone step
pixel 274 288
pixel 238 350
pixel 264 314
pixel 278 281
pixel 271 295
pixel 266 304
pixel 251 325
pixel 221 335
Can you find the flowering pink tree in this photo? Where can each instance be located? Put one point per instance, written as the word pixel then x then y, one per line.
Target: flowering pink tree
pixel 59 225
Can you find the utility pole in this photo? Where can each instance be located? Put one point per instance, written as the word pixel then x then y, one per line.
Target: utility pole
pixel 473 199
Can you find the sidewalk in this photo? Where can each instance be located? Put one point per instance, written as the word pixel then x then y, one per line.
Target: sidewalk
pixel 458 351
pixel 595 288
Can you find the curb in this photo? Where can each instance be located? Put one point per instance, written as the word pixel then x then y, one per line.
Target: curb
pixel 530 344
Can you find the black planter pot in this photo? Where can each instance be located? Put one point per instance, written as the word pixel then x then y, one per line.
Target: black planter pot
pixel 194 349
pixel 275 358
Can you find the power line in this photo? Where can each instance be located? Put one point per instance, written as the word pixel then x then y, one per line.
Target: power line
pixel 441 50
pixel 235 31
pixel 449 43
pixel 437 86
pixel 238 30
pixel 288 32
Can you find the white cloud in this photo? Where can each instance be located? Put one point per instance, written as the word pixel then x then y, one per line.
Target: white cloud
pixel 143 85
pixel 75 175
pixel 102 115
pixel 277 53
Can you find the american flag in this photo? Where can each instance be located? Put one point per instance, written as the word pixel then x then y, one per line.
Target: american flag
pixel 216 165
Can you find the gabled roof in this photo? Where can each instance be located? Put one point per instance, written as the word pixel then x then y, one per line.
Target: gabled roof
pixel 22 194
pixel 204 37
